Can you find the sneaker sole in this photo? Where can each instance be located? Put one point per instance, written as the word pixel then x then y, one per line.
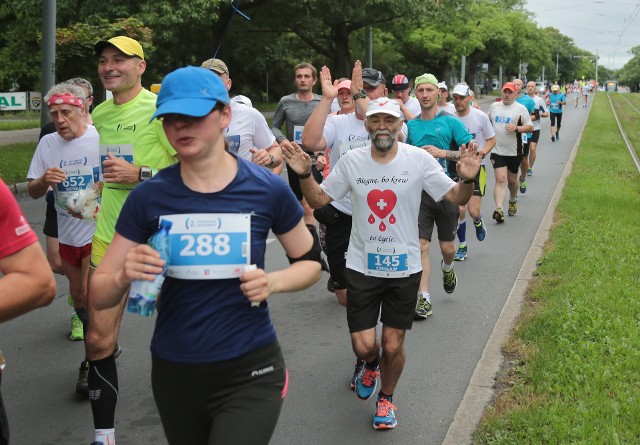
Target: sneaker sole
pixel 76 338
pixel 499 218
pixel 462 258
pixel 422 317
pixel 384 426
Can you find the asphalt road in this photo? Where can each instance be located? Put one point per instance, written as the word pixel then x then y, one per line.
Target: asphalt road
pixel 442 352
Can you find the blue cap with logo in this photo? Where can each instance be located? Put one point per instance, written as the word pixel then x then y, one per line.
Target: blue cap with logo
pixel 190 91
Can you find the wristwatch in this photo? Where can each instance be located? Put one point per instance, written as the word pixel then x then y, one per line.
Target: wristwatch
pixel 145 173
pixel 360 94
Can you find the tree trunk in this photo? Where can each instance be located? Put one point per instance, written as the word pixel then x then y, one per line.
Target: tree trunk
pixel 342 64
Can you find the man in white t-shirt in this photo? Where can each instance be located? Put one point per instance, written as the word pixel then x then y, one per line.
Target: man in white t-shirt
pixel 510 120
pixel 401 88
pixel 248 134
pixel 68 161
pixel 385 181
pixel 479 126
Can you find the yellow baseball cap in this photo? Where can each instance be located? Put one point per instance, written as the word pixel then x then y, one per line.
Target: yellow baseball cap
pixel 127 45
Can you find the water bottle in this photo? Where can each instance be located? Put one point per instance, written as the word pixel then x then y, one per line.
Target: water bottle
pixel 143 294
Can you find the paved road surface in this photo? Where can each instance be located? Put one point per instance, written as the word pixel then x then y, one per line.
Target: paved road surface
pixel 442 351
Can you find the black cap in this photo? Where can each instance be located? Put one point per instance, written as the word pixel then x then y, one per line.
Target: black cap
pixel 372 76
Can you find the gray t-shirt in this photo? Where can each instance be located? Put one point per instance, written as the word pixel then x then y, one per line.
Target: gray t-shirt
pixel 295 114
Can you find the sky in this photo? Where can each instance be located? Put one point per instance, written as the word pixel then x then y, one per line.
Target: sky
pixel 609 28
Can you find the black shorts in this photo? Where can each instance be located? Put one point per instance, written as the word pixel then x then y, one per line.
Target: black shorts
pixel 443 213
pixel 51 217
pixel 511 162
pixel 553 117
pixel 535 136
pixel 4 423
pixel 394 299
pixel 236 401
pixel 294 181
pixel 525 149
pixel 336 237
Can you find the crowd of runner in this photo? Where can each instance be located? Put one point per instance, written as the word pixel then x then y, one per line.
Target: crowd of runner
pixel 369 179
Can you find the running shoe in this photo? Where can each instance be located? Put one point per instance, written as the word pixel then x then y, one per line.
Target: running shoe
pixel 76 328
pixel 461 254
pixel 385 417
pixel 481 230
pixel 553 139
pixel 356 373
pixel 513 208
pixel 82 385
pixel 69 300
pixel 557 135
pixel 498 215
pixel 423 310
pixel 523 186
pixel 449 279
pixel 366 382
pixel 529 172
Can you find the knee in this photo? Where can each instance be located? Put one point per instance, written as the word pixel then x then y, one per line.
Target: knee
pixel 364 347
pixel 392 347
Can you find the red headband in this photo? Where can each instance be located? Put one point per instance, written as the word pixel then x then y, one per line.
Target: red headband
pixel 66 98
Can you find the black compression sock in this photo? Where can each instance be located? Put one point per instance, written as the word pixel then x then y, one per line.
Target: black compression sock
pixel 103 391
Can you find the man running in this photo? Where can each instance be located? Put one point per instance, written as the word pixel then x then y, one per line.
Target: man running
pixel 540 112
pixel 385 180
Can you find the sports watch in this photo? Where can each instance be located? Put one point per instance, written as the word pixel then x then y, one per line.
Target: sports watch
pixel 360 94
pixel 145 173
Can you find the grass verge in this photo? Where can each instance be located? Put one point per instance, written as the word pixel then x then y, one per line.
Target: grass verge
pixel 571 373
pixel 7 125
pixel 15 160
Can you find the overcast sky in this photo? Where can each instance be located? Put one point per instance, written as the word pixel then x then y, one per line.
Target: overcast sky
pixel 609 27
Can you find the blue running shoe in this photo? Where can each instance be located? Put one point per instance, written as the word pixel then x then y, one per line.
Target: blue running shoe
pixel 481 230
pixel 385 417
pixel 366 382
pixel 529 172
pixel 461 254
pixel 557 135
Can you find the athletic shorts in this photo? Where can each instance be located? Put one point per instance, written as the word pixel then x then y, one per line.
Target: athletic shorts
pixel 236 401
pixel 74 255
pixel 553 117
pixel 480 182
pixel 511 162
pixel 4 423
pixel 98 249
pixel 394 299
pixel 443 213
pixel 294 181
pixel 336 237
pixel 535 136
pixel 51 217
pixel 525 149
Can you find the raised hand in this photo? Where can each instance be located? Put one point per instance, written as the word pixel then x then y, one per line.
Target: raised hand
pixel 469 164
pixel 297 159
pixel 329 88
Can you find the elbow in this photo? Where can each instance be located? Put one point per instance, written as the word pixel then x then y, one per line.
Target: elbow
pixel 48 292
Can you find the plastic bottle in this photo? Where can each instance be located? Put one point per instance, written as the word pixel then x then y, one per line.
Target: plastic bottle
pixel 143 294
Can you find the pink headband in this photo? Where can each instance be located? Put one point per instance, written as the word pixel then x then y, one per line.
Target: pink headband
pixel 66 98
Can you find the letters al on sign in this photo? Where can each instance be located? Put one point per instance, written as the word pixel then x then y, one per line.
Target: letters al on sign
pixel 13 101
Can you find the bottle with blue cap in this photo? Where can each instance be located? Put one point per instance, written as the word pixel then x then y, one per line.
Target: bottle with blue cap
pixel 143 294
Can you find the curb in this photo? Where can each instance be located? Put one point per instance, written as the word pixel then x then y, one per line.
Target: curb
pixel 480 391
pixel 19 188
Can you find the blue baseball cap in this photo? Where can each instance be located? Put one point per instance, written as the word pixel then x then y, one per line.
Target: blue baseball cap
pixel 190 91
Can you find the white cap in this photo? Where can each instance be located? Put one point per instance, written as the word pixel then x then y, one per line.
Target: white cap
pixel 242 100
pixel 443 85
pixel 384 105
pixel 462 90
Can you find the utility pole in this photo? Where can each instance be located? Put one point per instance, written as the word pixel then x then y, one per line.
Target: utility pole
pixel 370 48
pixel 48 65
pixel 557 56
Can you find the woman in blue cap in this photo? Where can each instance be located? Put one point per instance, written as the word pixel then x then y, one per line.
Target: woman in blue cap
pixel 218 374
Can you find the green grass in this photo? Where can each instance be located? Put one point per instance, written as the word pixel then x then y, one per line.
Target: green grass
pixel 15 160
pixel 16 124
pixel 572 375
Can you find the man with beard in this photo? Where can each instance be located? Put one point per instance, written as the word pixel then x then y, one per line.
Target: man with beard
pixel 385 179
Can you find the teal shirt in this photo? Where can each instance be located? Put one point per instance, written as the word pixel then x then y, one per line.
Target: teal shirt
pixel 554 102
pixel 529 104
pixel 445 131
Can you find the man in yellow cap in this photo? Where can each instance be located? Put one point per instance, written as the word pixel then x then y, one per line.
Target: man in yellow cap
pixel 131 150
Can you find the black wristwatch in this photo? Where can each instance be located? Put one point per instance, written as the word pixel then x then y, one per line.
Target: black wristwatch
pixel 145 173
pixel 360 94
pixel 468 181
